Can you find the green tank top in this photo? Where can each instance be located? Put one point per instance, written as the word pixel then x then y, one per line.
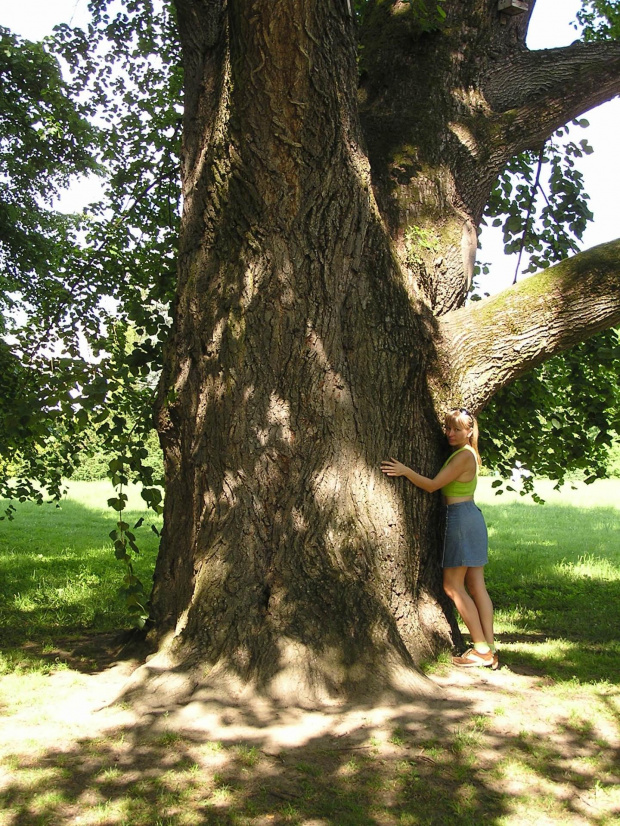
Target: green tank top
pixel 457 488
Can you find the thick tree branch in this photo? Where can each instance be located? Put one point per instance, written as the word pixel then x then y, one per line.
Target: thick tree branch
pixel 443 111
pixel 535 92
pixel 488 344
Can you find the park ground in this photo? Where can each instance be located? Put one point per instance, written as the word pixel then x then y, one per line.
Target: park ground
pixel 537 742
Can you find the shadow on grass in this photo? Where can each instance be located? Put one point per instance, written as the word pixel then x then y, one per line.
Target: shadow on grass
pixel 437 764
pixel 554 573
pixel 59 576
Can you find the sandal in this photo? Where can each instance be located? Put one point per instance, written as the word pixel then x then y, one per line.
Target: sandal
pixel 472 658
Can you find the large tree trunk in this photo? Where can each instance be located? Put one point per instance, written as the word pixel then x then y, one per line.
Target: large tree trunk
pixel 307 347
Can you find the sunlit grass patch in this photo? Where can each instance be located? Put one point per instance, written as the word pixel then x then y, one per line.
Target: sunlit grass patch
pixel 247 756
pixel 566 660
pixel 108 812
pixel 554 574
pixel 212 747
pixel 30 776
pixel 578 724
pixel 590 567
pixel 21 662
pixel 167 738
pixel 58 574
pixel 464 742
pixel 439 666
pixel 21 689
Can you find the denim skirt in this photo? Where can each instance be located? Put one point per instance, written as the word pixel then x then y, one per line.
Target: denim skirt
pixel 466 542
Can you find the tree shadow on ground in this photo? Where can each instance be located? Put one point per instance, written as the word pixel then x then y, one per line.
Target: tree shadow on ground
pixel 430 761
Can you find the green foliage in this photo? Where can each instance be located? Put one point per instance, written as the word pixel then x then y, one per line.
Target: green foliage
pixel 613 465
pixel 45 139
pixel 418 239
pixel 600 19
pixel 552 231
pixel 94 459
pixel 92 316
pixel 561 418
pixel 91 340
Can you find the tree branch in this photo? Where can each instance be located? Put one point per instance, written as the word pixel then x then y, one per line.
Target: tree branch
pixel 490 343
pixel 535 92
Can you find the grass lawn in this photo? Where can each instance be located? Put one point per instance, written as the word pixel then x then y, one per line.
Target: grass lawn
pixel 537 742
pixel 58 573
pixel 554 576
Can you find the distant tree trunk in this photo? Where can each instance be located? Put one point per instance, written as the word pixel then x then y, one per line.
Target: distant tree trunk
pixel 312 338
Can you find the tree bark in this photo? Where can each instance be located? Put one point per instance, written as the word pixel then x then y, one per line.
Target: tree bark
pixel 296 365
pixel 490 343
pixel 444 111
pixel 325 244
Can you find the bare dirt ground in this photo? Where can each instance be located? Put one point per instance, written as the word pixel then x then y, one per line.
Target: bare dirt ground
pixel 503 747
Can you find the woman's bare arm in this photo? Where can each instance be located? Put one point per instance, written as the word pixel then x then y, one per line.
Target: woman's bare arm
pixel 455 468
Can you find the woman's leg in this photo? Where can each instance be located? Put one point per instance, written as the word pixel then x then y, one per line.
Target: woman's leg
pixel 474 582
pixel 454 586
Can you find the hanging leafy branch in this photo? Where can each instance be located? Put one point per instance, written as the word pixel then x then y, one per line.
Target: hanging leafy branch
pixel 552 231
pixel 599 20
pixel 93 302
pixel 576 393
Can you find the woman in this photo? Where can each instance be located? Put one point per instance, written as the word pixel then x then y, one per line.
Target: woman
pixel 466 544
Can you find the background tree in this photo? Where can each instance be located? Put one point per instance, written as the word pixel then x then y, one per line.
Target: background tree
pixel 86 296
pixel 45 139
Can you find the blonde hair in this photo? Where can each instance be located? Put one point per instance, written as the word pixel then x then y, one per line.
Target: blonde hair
pixel 464 420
